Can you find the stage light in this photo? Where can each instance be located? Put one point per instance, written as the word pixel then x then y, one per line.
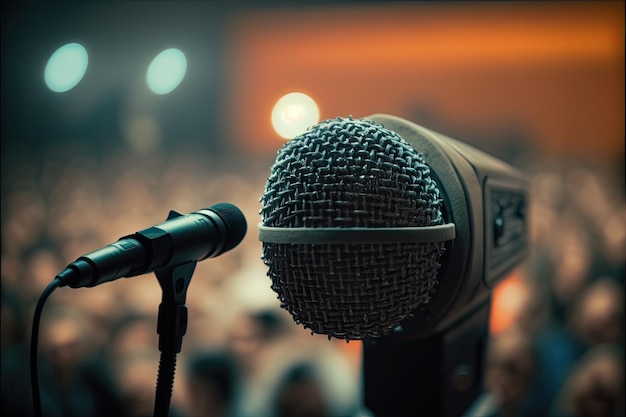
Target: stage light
pixel 293 114
pixel 166 71
pixel 66 67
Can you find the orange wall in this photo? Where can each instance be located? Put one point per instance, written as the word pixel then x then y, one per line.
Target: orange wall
pixel 555 69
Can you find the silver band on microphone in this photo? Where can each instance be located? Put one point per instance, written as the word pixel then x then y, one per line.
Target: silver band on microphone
pixel 311 235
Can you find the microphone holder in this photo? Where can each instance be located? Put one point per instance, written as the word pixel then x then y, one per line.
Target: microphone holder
pixel 171 327
pixel 437 376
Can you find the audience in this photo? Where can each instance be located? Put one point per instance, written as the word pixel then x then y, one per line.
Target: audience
pixel 243 355
pixel 299 394
pixel 595 385
pixel 213 384
pixel 512 365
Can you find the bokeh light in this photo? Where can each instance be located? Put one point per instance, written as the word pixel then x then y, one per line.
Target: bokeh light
pixel 66 67
pixel 166 71
pixel 530 83
pixel 293 114
pixel 143 134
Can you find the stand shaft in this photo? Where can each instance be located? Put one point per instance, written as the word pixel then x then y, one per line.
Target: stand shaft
pixel 171 327
pixel 438 376
pixel 165 384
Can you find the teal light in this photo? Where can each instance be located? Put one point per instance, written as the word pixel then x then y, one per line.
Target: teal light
pixel 166 71
pixel 66 67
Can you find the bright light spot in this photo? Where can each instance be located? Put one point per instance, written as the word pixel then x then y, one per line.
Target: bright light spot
pixel 66 67
pixel 166 71
pixel 293 114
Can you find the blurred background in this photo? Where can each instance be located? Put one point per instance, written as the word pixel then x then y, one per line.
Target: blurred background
pixel 114 113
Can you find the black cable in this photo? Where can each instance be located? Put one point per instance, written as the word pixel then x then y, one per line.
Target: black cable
pixel 34 374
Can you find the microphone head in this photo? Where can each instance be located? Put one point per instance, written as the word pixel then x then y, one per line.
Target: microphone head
pixel 235 222
pixel 347 173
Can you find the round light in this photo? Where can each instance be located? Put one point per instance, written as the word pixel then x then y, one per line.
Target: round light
pixel 166 71
pixel 66 67
pixel 293 114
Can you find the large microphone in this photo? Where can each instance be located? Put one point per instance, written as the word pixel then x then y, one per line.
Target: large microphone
pixel 181 239
pixel 380 229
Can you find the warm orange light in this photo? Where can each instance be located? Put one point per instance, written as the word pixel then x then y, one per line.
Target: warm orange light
pixel 509 299
pixel 553 70
pixel 293 114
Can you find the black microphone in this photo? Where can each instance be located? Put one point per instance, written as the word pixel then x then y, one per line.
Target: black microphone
pixel 181 239
pixel 383 230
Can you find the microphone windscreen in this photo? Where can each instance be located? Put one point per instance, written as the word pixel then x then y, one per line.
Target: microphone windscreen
pixel 347 173
pixel 235 223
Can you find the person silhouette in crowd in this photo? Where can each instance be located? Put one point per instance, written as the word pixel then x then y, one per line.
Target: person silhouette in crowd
pixel 15 378
pixel 299 394
pixel 595 386
pixel 213 383
pixel 77 381
pixel 510 377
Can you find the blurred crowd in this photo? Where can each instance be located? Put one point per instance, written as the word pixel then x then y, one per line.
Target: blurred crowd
pixel 561 354
pixel 561 350
pixel 242 355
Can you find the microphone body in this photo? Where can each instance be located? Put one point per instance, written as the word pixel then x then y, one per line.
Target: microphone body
pixel 382 230
pixel 486 200
pixel 180 239
pixel 379 226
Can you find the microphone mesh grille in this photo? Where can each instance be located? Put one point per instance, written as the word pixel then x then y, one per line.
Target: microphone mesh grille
pixel 351 173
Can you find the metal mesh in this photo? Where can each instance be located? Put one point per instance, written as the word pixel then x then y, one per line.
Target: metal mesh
pixel 351 173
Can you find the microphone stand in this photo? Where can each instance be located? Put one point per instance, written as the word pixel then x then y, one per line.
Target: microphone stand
pixel 437 376
pixel 171 327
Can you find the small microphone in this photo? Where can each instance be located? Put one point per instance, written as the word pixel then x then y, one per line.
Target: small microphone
pixel 379 226
pixel 181 239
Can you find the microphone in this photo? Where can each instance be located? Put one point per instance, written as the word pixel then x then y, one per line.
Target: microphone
pixel 203 234
pixel 361 230
pixel 383 230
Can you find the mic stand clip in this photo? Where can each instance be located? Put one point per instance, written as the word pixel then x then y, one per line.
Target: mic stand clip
pixel 171 327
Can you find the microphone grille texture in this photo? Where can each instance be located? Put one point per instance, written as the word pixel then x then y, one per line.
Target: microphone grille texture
pixel 235 222
pixel 348 173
